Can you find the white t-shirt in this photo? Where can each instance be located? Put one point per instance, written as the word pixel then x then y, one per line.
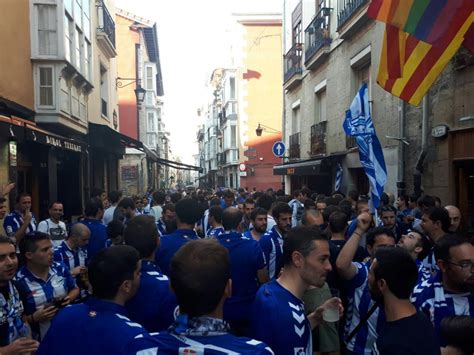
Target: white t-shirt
pixel 57 231
pixel 156 211
pixel 108 215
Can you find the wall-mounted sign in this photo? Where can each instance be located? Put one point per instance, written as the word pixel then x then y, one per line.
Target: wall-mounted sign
pixel 242 167
pixel 440 131
pixel 290 171
pixel 12 153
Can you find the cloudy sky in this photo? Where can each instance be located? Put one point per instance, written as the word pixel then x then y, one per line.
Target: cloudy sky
pixel 191 37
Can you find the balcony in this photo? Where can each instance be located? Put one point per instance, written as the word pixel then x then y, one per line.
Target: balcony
pixel 318 139
pixel 105 31
pixel 293 67
pixel 352 15
pixel 317 39
pixel 295 146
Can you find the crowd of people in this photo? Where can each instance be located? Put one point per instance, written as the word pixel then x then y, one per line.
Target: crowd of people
pixel 237 272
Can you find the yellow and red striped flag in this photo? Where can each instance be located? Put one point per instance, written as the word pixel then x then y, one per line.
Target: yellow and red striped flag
pixel 409 66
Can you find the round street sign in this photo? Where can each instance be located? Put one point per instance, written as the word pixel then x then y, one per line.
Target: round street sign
pixel 279 149
pixel 242 167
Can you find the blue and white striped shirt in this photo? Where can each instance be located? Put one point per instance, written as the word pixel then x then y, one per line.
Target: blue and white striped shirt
pixel 215 232
pixel 436 302
pixel 13 221
pixel 359 303
pixel 37 293
pixel 272 247
pixel 70 258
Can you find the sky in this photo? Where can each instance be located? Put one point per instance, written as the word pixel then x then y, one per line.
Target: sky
pixel 191 39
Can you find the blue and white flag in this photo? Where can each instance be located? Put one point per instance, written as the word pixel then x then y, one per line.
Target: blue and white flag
pixel 359 123
pixel 337 185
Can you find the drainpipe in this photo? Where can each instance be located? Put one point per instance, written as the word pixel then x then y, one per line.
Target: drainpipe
pixel 424 145
pixel 401 186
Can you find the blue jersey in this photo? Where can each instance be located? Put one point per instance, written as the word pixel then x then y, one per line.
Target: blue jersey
pixel 215 232
pixel 98 238
pixel 359 302
pixel 11 311
pixel 154 304
pixel 71 258
pixel 431 298
pixel 36 292
pixel 279 320
pixel 272 246
pixel 170 244
pixel 246 258
pixel 423 272
pixel 95 327
pixel 204 335
pixel 13 222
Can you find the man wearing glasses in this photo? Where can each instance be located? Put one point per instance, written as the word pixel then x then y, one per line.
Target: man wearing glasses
pixel 448 293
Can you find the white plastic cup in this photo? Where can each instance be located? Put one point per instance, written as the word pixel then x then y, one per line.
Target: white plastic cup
pixel 331 310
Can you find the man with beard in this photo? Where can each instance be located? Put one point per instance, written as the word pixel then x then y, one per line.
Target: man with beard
pixel 14 333
pixel 166 223
pixel 435 223
pixel 258 219
pixel 278 316
pixel 53 225
pixel 455 217
pixel 406 331
pixel 358 295
pixel 100 325
pixel 272 242
pixel 418 246
pixel 127 209
pixel 248 207
pixel 449 292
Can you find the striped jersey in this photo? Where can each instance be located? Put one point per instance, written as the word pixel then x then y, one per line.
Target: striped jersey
pixel 279 320
pixel 13 222
pixel 359 302
pixel 71 258
pixel 215 232
pixel 160 225
pixel 436 302
pixel 430 262
pixel 272 247
pixel 423 272
pixel 11 311
pixel 36 293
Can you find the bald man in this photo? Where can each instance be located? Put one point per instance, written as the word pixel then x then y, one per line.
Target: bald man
pixel 73 253
pixel 455 217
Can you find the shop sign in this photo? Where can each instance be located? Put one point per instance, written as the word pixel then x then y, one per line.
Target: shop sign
pixel 439 131
pixel 290 171
pixel 12 153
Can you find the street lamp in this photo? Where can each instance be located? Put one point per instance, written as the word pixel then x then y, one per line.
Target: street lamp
pixel 262 127
pixel 140 95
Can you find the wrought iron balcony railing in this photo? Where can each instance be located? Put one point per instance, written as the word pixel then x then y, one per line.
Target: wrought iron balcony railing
pixel 106 23
pixel 347 9
pixel 292 60
pixel 317 33
pixel 294 146
pixel 318 138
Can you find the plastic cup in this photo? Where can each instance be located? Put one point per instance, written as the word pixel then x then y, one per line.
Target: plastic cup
pixel 331 309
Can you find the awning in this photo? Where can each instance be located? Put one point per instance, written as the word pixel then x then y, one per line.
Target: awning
pixel 39 135
pixel 11 128
pixel 311 167
pixel 150 154
pixel 105 138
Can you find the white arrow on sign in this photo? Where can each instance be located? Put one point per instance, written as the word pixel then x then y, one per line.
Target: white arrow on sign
pixel 279 148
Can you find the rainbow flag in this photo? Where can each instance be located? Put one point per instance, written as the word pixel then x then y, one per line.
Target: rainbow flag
pixel 409 66
pixel 426 20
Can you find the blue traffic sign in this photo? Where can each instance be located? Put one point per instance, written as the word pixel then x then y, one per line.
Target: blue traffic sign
pixel 279 149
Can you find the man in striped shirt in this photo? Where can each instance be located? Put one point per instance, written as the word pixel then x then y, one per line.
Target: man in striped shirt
pixel 272 242
pixel 44 285
pixel 419 246
pixel 449 292
pixel 356 273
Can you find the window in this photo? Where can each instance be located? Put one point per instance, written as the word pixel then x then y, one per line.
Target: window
pixel 87 60
pixel 362 75
pixel 64 96
pixel 75 102
pixel 151 139
pixel 104 90
pixel 46 89
pixel 68 33
pixel 233 136
pixel 68 6
pixel 82 108
pixel 297 27
pixel 87 18
pixel 232 88
pixel 320 106
pixel 47 30
pixel 151 122
pixel 149 98
pixel 295 120
pixel 149 78
pixel 78 13
pixel 77 49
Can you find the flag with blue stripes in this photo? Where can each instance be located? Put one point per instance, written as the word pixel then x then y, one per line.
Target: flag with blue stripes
pixel 359 123
pixel 337 185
